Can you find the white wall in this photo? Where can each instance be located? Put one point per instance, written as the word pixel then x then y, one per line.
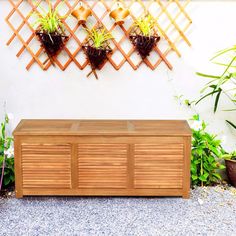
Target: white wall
pixel 127 94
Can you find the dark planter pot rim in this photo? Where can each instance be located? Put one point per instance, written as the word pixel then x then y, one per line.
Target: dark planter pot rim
pixel 231 160
pixel 102 49
pixel 140 35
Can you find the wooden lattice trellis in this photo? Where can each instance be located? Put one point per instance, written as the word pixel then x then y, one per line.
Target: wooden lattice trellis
pixel 172 21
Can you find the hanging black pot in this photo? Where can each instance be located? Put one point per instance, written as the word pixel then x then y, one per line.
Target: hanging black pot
pixel 144 44
pixel 53 43
pixel 97 57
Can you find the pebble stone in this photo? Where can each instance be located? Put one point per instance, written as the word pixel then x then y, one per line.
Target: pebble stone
pixel 209 211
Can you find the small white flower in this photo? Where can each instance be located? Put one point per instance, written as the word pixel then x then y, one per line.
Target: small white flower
pixel 196 125
pixel 9 152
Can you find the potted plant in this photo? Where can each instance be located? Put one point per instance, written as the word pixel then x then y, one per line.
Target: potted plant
pixel 97 48
pixel 50 31
pixel 230 162
pixel 143 35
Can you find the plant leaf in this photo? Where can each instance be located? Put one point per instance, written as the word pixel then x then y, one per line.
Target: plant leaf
pixel 208 76
pixel 211 93
pixel 230 123
pixel 217 100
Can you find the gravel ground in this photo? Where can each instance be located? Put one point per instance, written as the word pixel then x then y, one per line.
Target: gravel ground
pixel 210 211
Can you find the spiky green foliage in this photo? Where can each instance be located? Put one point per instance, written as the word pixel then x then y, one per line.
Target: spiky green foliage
pixel 99 37
pixel 145 25
pixel 49 21
pixel 224 83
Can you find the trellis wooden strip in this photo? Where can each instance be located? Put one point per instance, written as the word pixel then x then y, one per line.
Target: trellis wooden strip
pixel 179 13
pixel 182 8
pixel 72 34
pixel 173 22
pixel 32 35
pixel 10 14
pixel 23 42
pixel 184 29
pixel 176 40
pixel 108 5
pixel 118 47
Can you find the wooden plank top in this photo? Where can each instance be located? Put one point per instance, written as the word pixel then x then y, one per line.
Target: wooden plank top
pixel 104 127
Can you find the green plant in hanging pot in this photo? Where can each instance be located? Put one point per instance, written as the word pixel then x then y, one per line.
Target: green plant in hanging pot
pixel 143 35
pixel 206 155
pixel 230 162
pixel 97 48
pixel 50 31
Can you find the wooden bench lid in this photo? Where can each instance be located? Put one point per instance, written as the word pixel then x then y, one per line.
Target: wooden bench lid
pixel 104 127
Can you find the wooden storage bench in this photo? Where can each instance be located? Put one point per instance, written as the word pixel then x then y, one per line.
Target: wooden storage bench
pixel 102 158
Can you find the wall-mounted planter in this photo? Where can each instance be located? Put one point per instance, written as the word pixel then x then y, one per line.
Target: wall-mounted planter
pixel 144 36
pixel 144 44
pixel 100 11
pixel 96 56
pixel 50 31
pixel 97 48
pixel 52 43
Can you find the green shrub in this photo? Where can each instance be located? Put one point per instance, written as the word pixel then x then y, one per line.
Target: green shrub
pixel 205 161
pixel 7 176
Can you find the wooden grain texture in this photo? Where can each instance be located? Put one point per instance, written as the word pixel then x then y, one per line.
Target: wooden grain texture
pixel 158 166
pixel 102 166
pixel 114 157
pixel 103 192
pixel 104 127
pixel 46 166
pixel 18 167
pixel 187 163
pixel 178 22
pixel 74 166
